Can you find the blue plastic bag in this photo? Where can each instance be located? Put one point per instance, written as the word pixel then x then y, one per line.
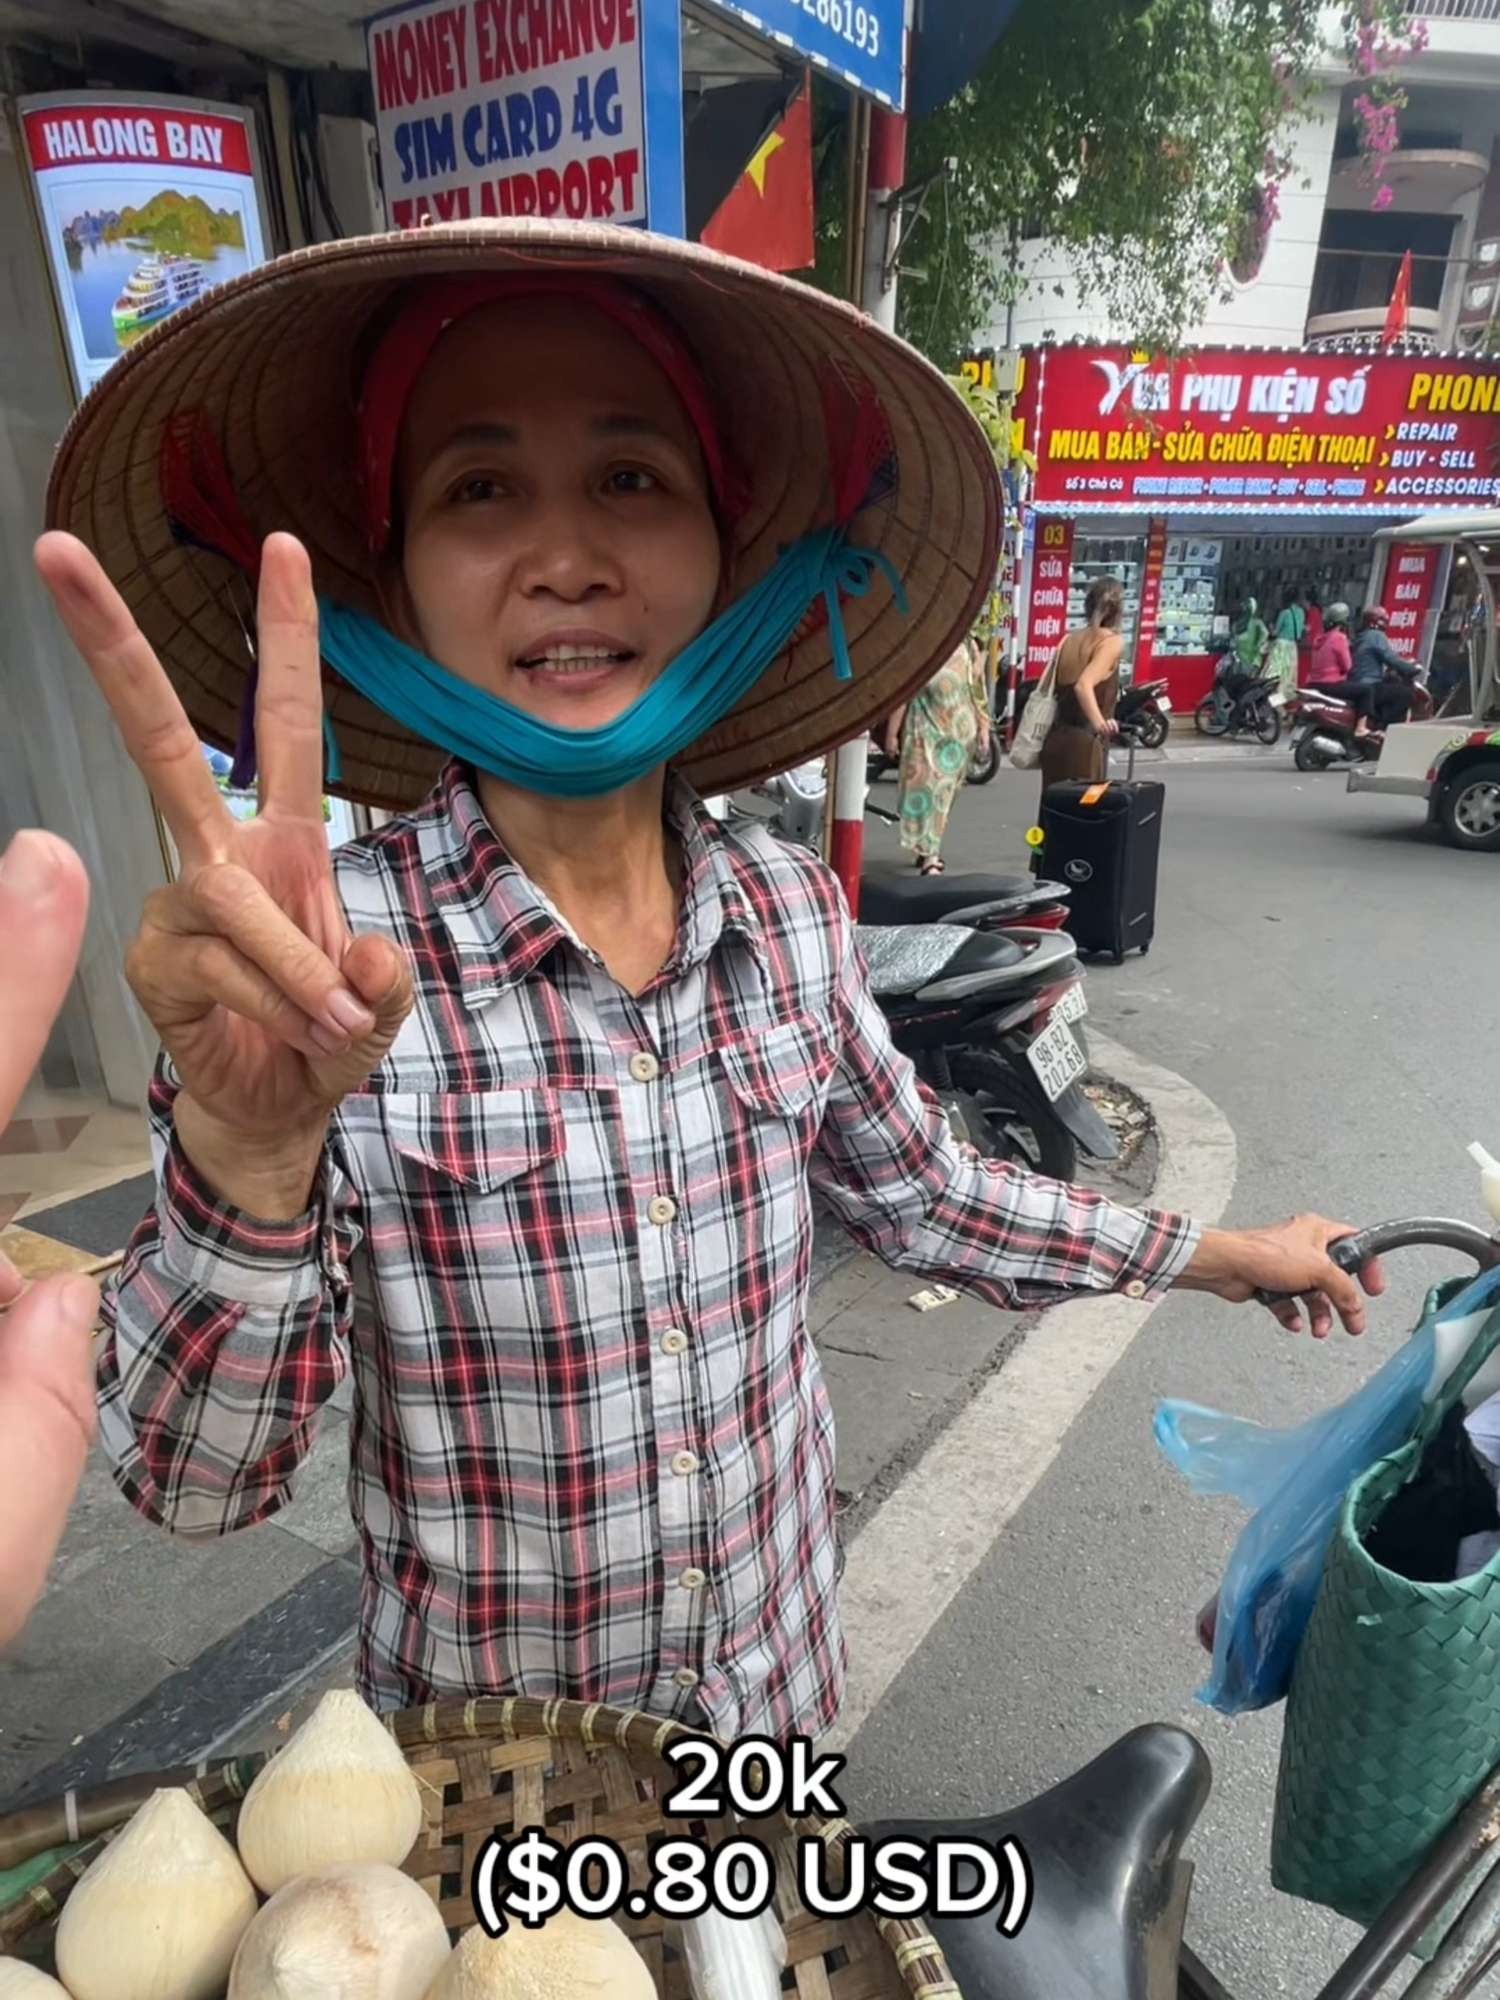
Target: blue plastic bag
pixel 1296 1481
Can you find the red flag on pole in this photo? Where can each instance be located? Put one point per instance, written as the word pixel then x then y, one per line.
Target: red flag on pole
pixel 1399 316
pixel 767 216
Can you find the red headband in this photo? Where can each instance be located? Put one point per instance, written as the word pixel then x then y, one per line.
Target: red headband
pixel 435 306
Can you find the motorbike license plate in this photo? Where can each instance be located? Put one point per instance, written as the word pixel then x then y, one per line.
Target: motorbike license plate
pixel 1277 700
pixel 1164 703
pixel 1073 1005
pixel 1056 1059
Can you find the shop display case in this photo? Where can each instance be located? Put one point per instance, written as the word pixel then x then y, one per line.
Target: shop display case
pixel 1122 557
pixel 1189 596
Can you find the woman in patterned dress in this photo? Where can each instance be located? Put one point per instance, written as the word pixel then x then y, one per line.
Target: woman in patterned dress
pixel 935 736
pixel 1291 625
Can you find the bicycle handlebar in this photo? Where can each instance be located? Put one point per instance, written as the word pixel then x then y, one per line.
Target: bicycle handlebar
pixel 1352 1253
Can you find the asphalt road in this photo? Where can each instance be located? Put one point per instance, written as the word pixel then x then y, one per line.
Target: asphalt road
pixel 1327 973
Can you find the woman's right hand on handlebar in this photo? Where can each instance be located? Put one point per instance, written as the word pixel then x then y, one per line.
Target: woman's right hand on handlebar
pixel 271 1010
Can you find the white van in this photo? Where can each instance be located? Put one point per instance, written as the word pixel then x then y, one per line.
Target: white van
pixel 1452 761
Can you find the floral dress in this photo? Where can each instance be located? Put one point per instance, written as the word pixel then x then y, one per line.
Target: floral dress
pixel 937 741
pixel 1282 659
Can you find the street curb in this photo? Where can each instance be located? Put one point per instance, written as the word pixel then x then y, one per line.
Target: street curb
pixel 249 1672
pixel 909 1562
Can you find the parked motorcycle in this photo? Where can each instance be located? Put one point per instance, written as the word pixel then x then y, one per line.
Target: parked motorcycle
pixel 798 800
pixel 982 989
pixel 1323 724
pixel 1145 708
pixel 891 894
pixel 987 1021
pixel 1242 705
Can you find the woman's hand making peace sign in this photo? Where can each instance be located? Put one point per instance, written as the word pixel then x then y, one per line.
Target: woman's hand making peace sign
pixel 270 1008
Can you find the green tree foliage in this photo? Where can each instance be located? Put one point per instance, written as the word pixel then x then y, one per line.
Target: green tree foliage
pixel 1147 138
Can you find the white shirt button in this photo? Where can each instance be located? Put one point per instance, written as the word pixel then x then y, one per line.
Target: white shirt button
pixel 692 1579
pixel 684 1462
pixel 686 1678
pixel 662 1210
pixel 1136 1289
pixel 645 1068
pixel 674 1341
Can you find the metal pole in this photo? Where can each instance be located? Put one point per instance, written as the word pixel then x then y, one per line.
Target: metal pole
pixel 886 155
pixel 856 195
pixel 857 191
pixel 1467 1951
pixel 887 172
pixel 1381 1950
pixel 279 105
pixel 1010 303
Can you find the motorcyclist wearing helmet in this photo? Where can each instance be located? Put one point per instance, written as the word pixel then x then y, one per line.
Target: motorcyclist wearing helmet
pixel 1332 660
pixel 1251 638
pixel 1380 681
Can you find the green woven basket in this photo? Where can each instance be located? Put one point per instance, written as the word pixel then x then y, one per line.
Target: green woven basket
pixel 1393 1719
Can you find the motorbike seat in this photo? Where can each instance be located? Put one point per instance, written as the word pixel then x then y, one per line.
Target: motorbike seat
pixel 901 896
pixel 902 959
pixel 1108 1886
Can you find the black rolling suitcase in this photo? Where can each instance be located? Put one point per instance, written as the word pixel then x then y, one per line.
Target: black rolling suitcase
pixel 1103 840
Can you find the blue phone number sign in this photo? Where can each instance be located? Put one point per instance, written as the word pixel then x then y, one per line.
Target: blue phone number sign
pixel 859 41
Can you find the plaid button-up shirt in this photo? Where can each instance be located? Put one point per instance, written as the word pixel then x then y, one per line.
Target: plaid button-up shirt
pixel 562 1237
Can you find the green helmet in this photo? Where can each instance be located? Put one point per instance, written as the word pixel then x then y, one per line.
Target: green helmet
pixel 1336 614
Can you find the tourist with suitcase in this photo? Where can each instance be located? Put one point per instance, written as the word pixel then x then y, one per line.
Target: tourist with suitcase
pixel 1086 685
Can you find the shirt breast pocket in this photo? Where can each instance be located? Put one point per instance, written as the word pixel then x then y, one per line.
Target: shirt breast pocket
pixel 471 1216
pixel 782 1073
pixel 474 1143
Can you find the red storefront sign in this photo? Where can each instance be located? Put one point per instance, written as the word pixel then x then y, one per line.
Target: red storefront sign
pixel 1156 550
pixel 1051 571
pixel 1411 576
pixel 1240 432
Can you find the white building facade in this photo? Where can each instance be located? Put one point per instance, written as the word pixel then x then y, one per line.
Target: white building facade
pixel 1331 259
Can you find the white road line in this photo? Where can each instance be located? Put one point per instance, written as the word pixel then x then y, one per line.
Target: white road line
pixel 923 1545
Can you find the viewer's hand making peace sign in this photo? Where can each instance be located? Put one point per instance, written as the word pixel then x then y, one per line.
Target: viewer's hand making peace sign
pixel 270 1008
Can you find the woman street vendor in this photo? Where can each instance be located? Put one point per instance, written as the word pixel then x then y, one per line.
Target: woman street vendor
pixel 516 1106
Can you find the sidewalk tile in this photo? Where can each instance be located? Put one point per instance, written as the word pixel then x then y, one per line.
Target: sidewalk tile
pixel 61 1679
pixel 880 1409
pixel 319 1513
pixel 102 1527
pixel 198 1711
pixel 177 1597
pixel 849 1285
pixel 955 1339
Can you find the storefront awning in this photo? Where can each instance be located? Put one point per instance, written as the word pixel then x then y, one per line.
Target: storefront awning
pixel 949 45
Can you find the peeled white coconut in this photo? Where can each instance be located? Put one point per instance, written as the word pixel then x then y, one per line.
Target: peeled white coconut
pixel 159 1914
pixel 19 1981
pixel 339 1791
pixel 569 1958
pixel 359 1931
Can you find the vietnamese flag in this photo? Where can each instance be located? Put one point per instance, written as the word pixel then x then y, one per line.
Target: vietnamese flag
pixel 1399 317
pixel 767 216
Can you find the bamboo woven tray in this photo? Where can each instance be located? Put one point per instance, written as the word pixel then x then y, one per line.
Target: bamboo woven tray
pixel 492 1766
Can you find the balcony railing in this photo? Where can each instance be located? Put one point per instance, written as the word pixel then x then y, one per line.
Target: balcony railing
pixel 1360 332
pixel 1455 10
